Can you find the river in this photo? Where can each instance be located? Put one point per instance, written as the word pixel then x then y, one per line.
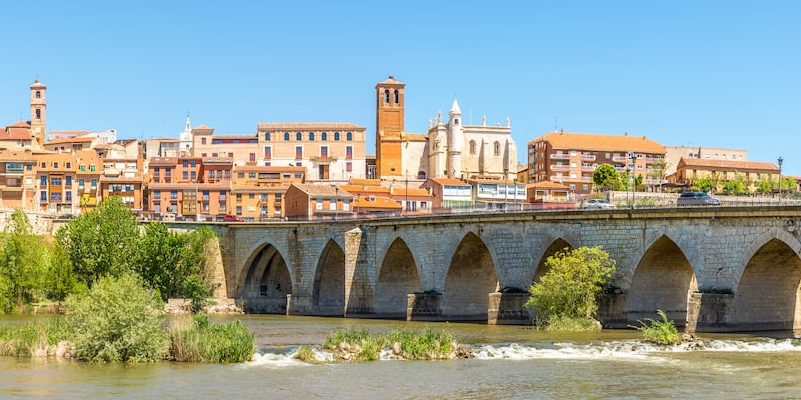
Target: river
pixel 511 362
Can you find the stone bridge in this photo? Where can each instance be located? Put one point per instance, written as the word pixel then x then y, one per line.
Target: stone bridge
pixel 711 269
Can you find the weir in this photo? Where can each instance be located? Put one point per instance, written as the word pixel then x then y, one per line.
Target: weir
pixel 711 269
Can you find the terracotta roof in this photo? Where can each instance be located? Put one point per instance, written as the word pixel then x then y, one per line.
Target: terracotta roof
pixel 411 192
pixel 413 137
pixel 599 142
pixel 390 81
pixel 70 140
pixel 358 181
pixel 547 185
pixel 314 126
pixel 15 134
pixel 17 156
pixel 377 202
pixel 729 164
pixel 235 136
pixel 20 124
pixel 38 85
pixel 163 161
pixel 238 187
pixel 365 189
pixel 322 190
pixel 271 168
pixel 449 181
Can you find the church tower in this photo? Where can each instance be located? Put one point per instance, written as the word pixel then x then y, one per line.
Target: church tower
pixel 389 127
pixel 455 141
pixel 38 111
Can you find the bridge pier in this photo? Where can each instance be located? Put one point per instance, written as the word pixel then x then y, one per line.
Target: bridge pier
pixel 611 311
pixel 424 307
pixel 710 312
pixel 508 309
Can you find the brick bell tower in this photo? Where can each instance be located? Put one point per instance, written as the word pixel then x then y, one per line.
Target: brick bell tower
pixel 38 111
pixel 389 126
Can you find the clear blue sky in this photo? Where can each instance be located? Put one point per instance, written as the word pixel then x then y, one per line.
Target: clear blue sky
pixel 721 73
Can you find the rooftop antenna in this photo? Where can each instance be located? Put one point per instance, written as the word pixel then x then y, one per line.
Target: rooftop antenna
pixel 555 124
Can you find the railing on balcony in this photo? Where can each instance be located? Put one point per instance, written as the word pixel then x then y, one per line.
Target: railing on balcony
pixel 588 157
pixel 560 156
pixel 322 159
pixel 560 167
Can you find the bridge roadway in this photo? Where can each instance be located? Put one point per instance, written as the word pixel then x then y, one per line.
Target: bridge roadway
pixel 712 269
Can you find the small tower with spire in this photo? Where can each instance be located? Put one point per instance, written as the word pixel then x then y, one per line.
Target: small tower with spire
pixel 455 141
pixel 186 137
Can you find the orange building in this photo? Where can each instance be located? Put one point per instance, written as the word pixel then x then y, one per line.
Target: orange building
pixel 17 180
pixel 192 187
pixel 318 201
pixel 571 158
pixel 259 191
pixel 390 123
pixel 690 169
pixel 56 177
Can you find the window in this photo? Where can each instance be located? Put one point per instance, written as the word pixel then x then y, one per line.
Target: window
pixel 81 183
pixel 251 196
pixel 298 152
pixel 186 175
pixel 323 151
pixel 69 165
pixel 348 166
pixel 298 175
pixel 386 96
pixel 456 121
pixel 238 210
pixel 349 152
pixel 174 195
pixel 156 195
pixel 55 181
pixel 69 196
pixel 252 157
pixel 332 205
pixel 186 163
pixel 336 135
pixel 157 208
pixel 397 97
pixel 319 205
pixel 205 195
pixel 311 136
pixel 268 153
pixel 298 136
pixel 298 164
pixel 231 155
pixel 38 114
pixel 69 180
pixel 202 140
pixel 204 154
pixel 193 163
pixel 38 94
pixel 93 183
pixel 267 136
pixel 263 197
pixel 193 175
pixel 345 205
pixel 239 197
pixel 324 136
pixel 252 175
pixel 55 165
pixel 43 180
pixel 349 136
pixel 286 136
pixel 92 168
pixel 472 147
pixel 497 147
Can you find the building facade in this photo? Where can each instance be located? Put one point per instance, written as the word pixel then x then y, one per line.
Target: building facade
pixel 691 169
pixel 571 158
pixel 259 191
pixel 320 201
pixel 675 153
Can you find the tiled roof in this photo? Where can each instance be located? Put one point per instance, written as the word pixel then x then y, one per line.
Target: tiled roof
pixel 314 126
pixel 322 190
pixel 70 140
pixel 598 142
pixel 412 192
pixel 20 124
pixel 15 134
pixel 390 81
pixel 449 181
pixel 377 202
pixel 729 164
pixel 547 185
pixel 365 188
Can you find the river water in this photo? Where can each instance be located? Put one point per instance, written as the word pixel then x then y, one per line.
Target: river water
pixel 511 362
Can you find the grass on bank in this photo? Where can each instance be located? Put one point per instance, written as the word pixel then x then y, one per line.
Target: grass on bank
pixel 410 344
pixel 662 332
pixel 560 323
pixel 31 338
pixel 198 340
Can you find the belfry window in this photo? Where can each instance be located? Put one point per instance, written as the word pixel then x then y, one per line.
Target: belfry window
pixel 38 94
pixel 38 114
pixel 397 97
pixel 386 96
pixel 497 149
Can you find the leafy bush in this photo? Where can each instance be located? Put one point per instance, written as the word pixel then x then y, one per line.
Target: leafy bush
pixel 422 345
pixel 571 324
pixel 662 332
pixel 118 320
pixel 27 339
pixel 23 263
pixel 306 354
pixel 201 341
pixel 571 286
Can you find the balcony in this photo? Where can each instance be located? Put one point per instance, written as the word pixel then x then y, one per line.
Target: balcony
pixel 588 157
pixel 560 156
pixel 560 167
pixel 588 167
pixel 322 159
pixel 620 159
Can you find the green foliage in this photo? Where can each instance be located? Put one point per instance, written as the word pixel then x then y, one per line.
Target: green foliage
pixel 572 284
pixel 422 345
pixel 350 336
pixel 60 280
pixel 23 263
pixel 662 332
pixel 101 242
pixel 27 339
pixel 769 185
pixel 735 186
pixel 200 341
pixel 606 177
pixel 704 185
pixel 562 323
pixel 306 354
pixel 118 320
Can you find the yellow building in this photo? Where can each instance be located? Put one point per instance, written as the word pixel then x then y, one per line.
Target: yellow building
pixel 259 191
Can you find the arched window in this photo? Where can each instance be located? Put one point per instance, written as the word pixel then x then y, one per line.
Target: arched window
pixel 38 94
pixel 298 136
pixel 349 136
pixel 286 136
pixel 456 121
pixel 472 147
pixel 267 136
pixel 497 149
pixel 386 96
pixel 397 97
pixel 324 136
pixel 38 114
pixel 421 175
pixel 311 136
pixel 336 135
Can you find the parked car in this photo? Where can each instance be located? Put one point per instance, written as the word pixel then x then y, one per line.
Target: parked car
pixel 169 217
pixel 597 204
pixel 696 199
pixel 232 218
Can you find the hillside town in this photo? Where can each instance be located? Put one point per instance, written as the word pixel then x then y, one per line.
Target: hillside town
pixel 318 170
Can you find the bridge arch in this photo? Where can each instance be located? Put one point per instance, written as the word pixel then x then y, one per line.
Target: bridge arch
pixel 767 291
pixel 398 275
pixel 663 279
pixel 555 246
pixel 266 282
pixel 470 278
pixel 328 296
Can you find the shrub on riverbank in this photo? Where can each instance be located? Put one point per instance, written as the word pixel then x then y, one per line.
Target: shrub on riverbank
pixel 361 345
pixel 662 332
pixel 200 341
pixel 560 323
pixel 118 320
pixel 34 339
pixel 567 295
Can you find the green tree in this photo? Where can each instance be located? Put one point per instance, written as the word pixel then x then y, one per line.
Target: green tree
pixel 765 186
pixel 572 284
pixel 102 241
pixel 60 280
pixel 606 177
pixel 117 320
pixel 735 186
pixel 23 261
pixel 704 184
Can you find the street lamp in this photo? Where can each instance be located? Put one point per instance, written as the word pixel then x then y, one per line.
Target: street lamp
pixel 781 160
pixel 336 202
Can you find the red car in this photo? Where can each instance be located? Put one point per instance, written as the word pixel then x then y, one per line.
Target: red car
pixel 232 218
